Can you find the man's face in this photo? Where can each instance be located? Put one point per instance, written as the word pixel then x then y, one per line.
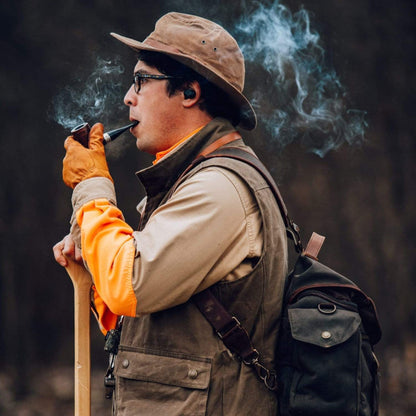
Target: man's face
pixel 159 115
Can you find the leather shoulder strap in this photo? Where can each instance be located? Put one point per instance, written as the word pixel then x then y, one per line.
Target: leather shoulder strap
pixel 233 335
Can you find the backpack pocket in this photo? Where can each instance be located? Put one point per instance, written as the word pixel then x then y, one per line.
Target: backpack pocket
pixel 322 374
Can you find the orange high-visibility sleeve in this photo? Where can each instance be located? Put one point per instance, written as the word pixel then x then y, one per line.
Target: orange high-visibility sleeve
pixel 107 247
pixel 106 319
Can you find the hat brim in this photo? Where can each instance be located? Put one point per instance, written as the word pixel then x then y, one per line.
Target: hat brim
pixel 248 119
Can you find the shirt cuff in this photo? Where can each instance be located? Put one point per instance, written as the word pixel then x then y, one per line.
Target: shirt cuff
pixel 93 188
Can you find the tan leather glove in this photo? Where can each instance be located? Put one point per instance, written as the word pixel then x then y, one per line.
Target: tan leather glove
pixel 81 163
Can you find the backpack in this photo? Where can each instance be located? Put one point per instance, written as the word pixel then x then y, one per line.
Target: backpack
pixel 329 326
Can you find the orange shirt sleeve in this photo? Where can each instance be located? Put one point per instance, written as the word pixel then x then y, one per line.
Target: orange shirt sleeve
pixel 108 249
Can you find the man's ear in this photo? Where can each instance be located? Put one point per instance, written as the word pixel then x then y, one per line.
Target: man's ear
pixel 191 94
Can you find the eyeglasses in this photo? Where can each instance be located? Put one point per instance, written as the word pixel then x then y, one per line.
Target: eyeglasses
pixel 138 79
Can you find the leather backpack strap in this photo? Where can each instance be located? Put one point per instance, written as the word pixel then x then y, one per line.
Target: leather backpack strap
pixel 227 327
pixel 233 335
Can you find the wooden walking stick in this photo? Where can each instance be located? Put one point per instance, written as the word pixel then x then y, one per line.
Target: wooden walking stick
pixel 82 281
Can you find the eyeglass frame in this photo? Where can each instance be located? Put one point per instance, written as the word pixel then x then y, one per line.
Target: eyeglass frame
pixel 138 79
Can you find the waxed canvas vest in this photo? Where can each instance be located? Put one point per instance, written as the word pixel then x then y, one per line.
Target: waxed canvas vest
pixel 171 362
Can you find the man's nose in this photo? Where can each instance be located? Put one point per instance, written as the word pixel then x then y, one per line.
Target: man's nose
pixel 130 97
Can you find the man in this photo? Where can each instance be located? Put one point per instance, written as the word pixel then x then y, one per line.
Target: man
pixel 214 226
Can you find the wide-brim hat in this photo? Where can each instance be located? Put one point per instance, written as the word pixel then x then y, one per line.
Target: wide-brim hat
pixel 205 47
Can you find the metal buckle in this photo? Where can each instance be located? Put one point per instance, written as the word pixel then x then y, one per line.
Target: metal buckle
pixel 227 331
pixel 253 359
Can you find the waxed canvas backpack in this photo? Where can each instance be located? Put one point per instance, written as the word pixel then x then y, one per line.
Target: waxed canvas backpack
pixel 329 327
pixel 326 364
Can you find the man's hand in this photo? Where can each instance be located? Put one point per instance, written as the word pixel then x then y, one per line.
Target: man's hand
pixel 82 163
pixel 66 248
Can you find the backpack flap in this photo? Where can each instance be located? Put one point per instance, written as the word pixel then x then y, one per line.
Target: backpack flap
pixel 323 329
pixel 309 274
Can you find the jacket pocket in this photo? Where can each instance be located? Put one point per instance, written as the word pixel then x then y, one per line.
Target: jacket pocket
pixel 148 384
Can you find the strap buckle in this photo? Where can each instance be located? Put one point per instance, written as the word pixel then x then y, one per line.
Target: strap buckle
pixel 229 329
pixel 252 359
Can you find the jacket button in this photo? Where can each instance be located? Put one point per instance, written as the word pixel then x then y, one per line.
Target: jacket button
pixel 125 363
pixel 193 374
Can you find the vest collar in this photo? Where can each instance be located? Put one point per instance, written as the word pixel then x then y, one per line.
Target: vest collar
pixel 160 177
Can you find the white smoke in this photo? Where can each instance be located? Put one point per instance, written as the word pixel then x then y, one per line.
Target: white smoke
pixel 296 95
pixel 94 99
pixel 301 97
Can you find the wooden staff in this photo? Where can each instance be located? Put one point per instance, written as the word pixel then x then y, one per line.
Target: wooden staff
pixel 81 280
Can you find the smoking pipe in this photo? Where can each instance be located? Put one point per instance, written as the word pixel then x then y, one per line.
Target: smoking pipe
pixel 80 133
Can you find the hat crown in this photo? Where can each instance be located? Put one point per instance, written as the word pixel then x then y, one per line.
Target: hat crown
pixel 205 47
pixel 203 41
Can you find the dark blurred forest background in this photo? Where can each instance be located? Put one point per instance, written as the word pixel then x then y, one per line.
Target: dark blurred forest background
pixel 362 197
